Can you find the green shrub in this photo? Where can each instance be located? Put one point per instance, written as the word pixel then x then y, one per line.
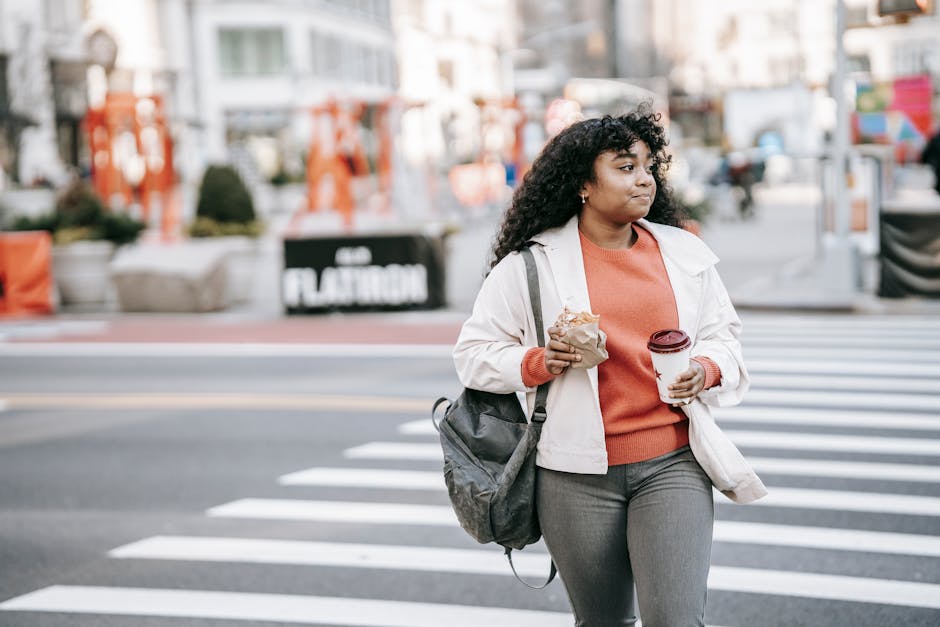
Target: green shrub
pixel 78 215
pixel 223 197
pixel 207 227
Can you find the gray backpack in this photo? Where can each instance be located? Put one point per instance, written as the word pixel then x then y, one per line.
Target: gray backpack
pixel 489 457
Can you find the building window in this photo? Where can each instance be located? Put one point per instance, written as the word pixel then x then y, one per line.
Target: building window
pixel 351 61
pixel 252 52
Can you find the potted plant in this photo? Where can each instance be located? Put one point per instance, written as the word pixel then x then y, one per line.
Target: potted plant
pixel 225 209
pixel 85 234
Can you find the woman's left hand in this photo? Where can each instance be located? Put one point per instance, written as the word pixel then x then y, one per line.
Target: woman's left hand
pixel 689 383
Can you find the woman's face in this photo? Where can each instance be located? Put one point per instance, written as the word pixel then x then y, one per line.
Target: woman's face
pixel 623 188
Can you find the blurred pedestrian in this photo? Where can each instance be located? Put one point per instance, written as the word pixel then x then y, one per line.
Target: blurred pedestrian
pixel 741 175
pixel 931 156
pixel 621 499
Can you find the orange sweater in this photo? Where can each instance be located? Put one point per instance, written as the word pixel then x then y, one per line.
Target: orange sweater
pixel 630 290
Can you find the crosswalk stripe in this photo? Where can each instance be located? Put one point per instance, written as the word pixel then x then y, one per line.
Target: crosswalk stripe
pixel 828 417
pixel 845 400
pixel 532 562
pixel 395 450
pixel 309 610
pixel 439 515
pixel 856 540
pixel 365 477
pixel 780 415
pixel 809 353
pixel 875 502
pixel 336 511
pixel 757 439
pixel 820 586
pixel 906 385
pixel 890 323
pixel 834 442
pixel 396 557
pixel 842 367
pixel 380 478
pixel 838 342
pixel 375 613
pixel 846 469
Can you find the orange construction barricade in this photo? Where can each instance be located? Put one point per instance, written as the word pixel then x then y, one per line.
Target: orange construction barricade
pixel 26 285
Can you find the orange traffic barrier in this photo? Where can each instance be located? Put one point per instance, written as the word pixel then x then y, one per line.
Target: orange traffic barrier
pixel 26 285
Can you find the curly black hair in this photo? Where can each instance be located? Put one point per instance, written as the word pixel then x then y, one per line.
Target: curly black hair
pixel 549 194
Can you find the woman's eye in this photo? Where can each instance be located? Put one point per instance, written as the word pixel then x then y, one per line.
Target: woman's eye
pixel 627 168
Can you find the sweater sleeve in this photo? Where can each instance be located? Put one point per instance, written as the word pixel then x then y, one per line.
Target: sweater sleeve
pixel 534 372
pixel 712 371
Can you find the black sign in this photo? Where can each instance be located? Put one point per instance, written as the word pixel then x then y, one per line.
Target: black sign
pixel 910 254
pixel 903 7
pixel 361 273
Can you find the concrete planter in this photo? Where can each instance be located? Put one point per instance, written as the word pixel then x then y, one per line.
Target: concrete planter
pixel 242 260
pixel 81 272
pixel 184 277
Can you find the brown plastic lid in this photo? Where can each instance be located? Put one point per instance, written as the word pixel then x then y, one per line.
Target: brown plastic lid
pixel 668 341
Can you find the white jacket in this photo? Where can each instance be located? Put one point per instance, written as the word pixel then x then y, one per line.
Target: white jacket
pixel 493 341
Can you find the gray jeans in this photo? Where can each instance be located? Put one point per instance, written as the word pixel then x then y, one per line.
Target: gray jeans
pixel 648 524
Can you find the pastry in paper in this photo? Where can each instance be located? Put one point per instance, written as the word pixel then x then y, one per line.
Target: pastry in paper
pixel 582 330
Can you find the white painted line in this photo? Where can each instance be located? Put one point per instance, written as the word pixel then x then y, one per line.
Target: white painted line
pixel 834 442
pixel 365 478
pixel 906 385
pixel 875 502
pixel 758 439
pixel 434 480
pixel 838 323
pixel 827 538
pixel 844 400
pixel 922 342
pixel 841 367
pixel 831 587
pixel 774 415
pixel 493 562
pixel 395 557
pixel 829 418
pixel 307 610
pixel 337 511
pixel 847 353
pixel 395 450
pixel 417 427
pixel 443 515
pixel 846 470
pixel 218 349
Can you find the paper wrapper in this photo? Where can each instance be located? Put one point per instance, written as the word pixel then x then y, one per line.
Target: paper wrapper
pixel 585 336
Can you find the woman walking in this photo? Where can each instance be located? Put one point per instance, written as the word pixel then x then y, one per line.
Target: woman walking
pixel 622 501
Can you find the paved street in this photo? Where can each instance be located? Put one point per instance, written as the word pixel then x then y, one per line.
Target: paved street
pixel 285 482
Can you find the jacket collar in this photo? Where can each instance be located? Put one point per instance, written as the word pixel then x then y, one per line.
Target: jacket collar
pixel 685 250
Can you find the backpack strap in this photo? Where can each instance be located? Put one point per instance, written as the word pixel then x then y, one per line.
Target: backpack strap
pixel 551 574
pixel 539 414
pixel 535 297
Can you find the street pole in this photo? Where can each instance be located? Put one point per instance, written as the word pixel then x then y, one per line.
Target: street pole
pixel 838 261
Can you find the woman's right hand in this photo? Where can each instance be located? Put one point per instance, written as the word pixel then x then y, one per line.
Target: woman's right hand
pixel 559 355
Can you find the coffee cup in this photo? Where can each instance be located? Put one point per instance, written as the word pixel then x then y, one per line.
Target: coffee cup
pixel 670 352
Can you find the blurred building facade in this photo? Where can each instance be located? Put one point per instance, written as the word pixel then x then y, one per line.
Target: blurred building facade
pixel 238 77
pixel 42 90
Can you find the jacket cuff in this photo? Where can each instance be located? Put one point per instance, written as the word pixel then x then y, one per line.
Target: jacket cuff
pixel 534 372
pixel 712 371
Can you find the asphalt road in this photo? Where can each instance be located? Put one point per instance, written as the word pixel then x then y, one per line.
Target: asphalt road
pixel 164 490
